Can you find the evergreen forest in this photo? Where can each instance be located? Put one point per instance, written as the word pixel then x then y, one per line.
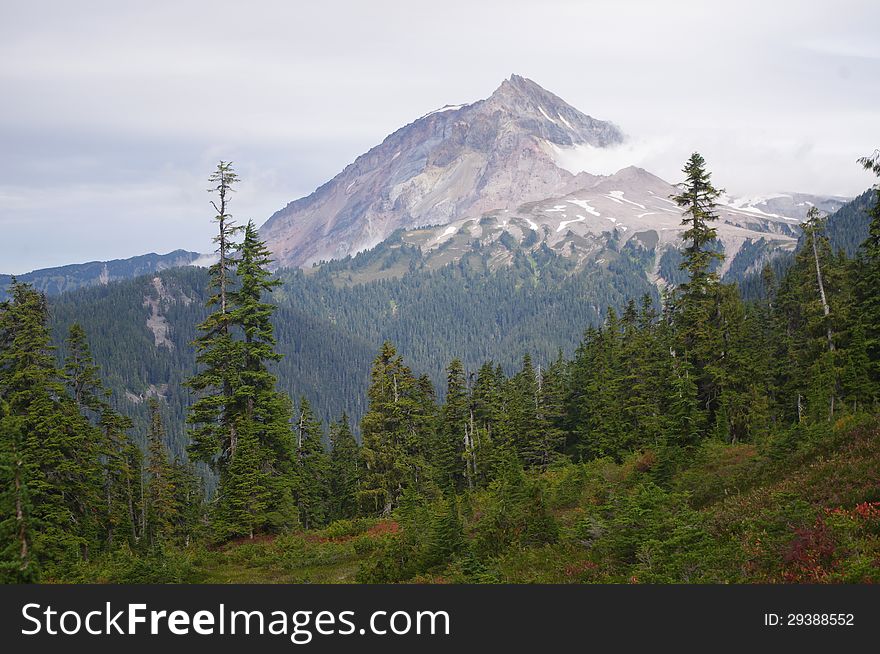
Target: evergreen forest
pixel 724 430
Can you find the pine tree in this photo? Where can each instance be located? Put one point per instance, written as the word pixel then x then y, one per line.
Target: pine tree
pixel 392 446
pixel 162 508
pixel 214 432
pixel 868 280
pixel 697 300
pixel 312 468
pixel 453 435
pixel 237 389
pixel 17 563
pixel 344 471
pixel 52 472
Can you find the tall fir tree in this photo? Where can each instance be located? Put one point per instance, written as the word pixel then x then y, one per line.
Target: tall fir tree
pixel 392 451
pixel 868 280
pixel 212 416
pixel 49 473
pixel 697 296
pixel 161 506
pixel 312 468
pixel 452 432
pixel 236 388
pixel 257 405
pixel 344 471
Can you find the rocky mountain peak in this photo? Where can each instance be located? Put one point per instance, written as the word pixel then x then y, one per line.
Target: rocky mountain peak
pixel 547 116
pixel 454 162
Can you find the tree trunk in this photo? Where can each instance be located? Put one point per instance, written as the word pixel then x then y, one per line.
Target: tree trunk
pixel 19 517
pixel 825 307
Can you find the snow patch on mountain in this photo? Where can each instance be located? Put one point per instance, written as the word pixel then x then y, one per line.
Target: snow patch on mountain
pixel 586 206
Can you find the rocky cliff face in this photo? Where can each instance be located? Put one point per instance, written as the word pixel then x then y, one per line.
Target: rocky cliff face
pixel 453 163
pixel 600 217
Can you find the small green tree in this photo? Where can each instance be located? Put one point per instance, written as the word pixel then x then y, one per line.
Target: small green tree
pixel 312 468
pixel 162 509
pixel 344 470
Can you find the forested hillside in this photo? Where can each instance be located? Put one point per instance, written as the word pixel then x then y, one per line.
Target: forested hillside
pixel 333 318
pixel 53 281
pixel 688 437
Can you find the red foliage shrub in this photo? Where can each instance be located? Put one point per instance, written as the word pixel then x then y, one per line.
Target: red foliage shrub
pixel 811 555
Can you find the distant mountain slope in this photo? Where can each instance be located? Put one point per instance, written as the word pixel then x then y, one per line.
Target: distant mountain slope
pixel 434 303
pixel 141 333
pixel 53 281
pixel 455 162
pixel 591 223
pixel 518 167
pixel 846 229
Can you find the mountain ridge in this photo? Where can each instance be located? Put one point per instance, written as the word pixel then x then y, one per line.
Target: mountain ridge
pixel 69 277
pixel 464 159
pixel 469 162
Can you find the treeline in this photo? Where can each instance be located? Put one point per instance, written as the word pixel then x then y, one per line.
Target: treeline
pixel 702 365
pixel 73 482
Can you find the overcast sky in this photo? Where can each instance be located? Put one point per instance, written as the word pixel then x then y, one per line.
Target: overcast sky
pixel 113 114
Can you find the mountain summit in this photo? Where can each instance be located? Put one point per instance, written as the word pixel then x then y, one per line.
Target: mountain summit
pixel 455 162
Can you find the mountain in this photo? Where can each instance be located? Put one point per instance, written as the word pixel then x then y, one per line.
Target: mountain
pixel 333 318
pixel 508 170
pixel 53 281
pixel 455 162
pixel 791 205
pixel 605 213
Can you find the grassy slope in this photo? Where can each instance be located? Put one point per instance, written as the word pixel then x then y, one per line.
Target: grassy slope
pixel 794 509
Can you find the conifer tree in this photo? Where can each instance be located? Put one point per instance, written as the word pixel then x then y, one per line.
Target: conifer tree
pixel 214 432
pixel 16 529
pixel 311 468
pixel 446 537
pixel 50 476
pixel 90 398
pixel 122 479
pixel 811 320
pixel 868 279
pixel 552 393
pixel 521 417
pixel 237 390
pixel 81 373
pixel 344 471
pixel 453 428
pixel 112 459
pixel 697 295
pixel 257 405
pixel 392 451
pixel 188 498
pixel 162 509
pixel 485 418
pixel 245 496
